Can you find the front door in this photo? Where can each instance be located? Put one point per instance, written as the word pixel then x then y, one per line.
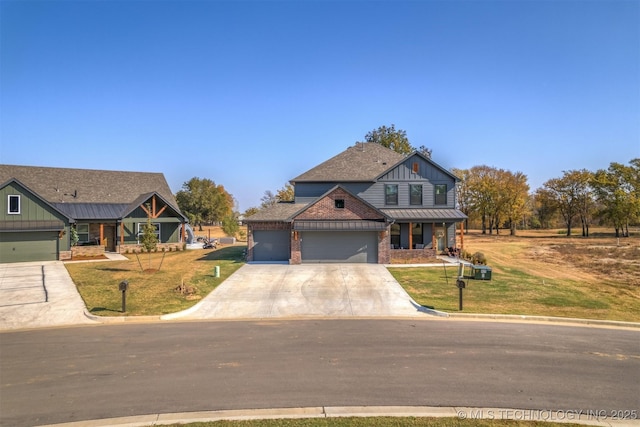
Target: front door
pixel 110 237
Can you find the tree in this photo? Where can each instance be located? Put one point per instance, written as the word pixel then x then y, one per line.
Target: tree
pixel 463 194
pixel 569 193
pixel 269 199
pixel 391 138
pixel 483 195
pixel 285 194
pixel 201 200
pixel 515 191
pixel 617 189
pixel 545 207
pixel 230 225
pixel 149 238
pixel 251 211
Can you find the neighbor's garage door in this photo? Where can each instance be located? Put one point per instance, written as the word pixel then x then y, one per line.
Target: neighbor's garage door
pixel 271 245
pixel 29 246
pixel 342 246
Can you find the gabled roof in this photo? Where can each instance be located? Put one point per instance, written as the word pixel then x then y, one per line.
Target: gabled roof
pixel 103 190
pixel 287 211
pixel 426 159
pixel 336 187
pixel 143 198
pixel 37 196
pixel 64 185
pixel 361 162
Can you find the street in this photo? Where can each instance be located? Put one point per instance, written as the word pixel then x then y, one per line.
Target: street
pixel 91 372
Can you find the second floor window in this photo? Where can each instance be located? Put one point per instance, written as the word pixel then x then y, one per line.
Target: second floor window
pixel 391 194
pixel 415 194
pixel 441 194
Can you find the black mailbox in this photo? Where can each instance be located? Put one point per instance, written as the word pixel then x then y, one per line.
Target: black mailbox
pixel 123 286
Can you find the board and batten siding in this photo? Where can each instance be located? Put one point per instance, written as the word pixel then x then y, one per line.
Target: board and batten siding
pixel 31 208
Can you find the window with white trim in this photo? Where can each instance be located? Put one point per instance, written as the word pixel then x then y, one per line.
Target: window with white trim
pixel 13 204
pixel 141 229
pixel 83 232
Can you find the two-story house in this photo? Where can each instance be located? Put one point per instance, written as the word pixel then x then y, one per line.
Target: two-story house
pixel 362 205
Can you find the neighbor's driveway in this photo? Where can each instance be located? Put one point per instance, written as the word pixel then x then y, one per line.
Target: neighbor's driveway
pixel 38 294
pixel 307 290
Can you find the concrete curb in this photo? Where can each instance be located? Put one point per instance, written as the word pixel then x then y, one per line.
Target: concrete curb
pixel 544 319
pixel 120 319
pixel 462 413
pixel 514 318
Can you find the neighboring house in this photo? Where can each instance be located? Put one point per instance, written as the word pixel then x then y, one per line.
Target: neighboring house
pixel 39 205
pixel 368 204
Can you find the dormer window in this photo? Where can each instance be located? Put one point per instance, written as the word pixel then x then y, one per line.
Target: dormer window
pixel 339 203
pixel 13 203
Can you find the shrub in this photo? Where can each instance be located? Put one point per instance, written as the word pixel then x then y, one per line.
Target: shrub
pixel 479 258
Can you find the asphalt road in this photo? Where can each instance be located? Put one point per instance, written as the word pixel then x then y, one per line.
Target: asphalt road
pixel 80 373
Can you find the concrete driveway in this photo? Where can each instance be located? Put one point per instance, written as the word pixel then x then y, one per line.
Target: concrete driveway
pixel 38 294
pixel 307 290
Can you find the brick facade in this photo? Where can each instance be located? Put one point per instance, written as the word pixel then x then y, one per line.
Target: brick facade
pixel 326 209
pixel 411 256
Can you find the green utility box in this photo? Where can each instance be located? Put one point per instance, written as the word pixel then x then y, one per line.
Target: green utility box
pixel 481 272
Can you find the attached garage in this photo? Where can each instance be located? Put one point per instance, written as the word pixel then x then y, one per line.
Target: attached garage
pixel 271 245
pixel 28 246
pixel 339 246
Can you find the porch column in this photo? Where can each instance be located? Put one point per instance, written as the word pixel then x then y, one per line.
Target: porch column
pixel 121 233
pixel 101 234
pixel 461 235
pixel 434 241
pixel 410 235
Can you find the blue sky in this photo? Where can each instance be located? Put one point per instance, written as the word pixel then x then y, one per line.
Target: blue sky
pixel 252 94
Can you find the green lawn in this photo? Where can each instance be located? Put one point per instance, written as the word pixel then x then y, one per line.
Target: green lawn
pixel 512 291
pixel 153 281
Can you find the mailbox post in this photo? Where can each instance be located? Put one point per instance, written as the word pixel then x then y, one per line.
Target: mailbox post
pixel 461 285
pixel 123 287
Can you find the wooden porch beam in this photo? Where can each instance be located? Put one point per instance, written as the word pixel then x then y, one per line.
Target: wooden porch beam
pixel 157 214
pixel 144 208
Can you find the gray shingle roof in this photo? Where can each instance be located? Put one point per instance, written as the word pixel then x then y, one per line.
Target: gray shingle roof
pixel 63 185
pixel 276 212
pixel 361 162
